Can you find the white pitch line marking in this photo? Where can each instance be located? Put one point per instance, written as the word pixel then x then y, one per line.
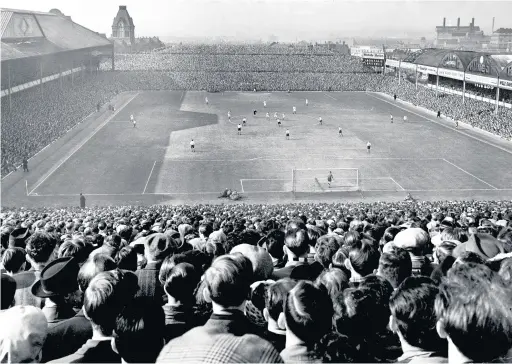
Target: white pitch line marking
pixel 98 128
pixel 330 96
pixel 149 177
pixel 446 126
pixel 398 184
pixel 472 175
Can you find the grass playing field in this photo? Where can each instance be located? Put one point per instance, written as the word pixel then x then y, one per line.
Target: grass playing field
pixel 111 162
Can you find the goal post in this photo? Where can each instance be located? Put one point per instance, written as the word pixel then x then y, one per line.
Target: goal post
pixel 317 179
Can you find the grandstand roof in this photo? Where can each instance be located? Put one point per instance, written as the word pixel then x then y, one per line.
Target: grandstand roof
pixel 30 33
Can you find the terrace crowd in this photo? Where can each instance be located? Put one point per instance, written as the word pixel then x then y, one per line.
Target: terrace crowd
pixel 197 62
pixel 383 282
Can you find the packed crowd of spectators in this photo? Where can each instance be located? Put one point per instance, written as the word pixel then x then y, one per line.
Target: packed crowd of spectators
pixel 247 49
pixel 332 63
pixel 384 282
pixel 473 112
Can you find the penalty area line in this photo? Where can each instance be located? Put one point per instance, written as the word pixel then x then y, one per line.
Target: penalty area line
pixel 149 177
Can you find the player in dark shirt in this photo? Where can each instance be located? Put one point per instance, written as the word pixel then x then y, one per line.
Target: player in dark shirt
pixel 25 165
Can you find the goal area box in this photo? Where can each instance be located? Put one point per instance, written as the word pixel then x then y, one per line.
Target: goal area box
pixel 316 179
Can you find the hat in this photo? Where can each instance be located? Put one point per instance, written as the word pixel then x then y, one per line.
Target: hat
pixel 22 334
pixel 18 237
pixel 485 245
pixel 160 245
pixel 261 260
pixel 447 222
pixel 57 278
pixel 411 239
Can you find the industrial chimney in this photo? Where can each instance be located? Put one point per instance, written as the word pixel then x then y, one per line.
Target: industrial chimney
pixel 493 24
pixel 458 22
pixel 444 22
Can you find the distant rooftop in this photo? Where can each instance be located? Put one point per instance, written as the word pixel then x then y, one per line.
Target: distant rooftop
pixel 26 33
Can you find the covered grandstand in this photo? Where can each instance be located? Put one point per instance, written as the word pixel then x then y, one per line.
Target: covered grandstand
pixel 485 76
pixel 39 47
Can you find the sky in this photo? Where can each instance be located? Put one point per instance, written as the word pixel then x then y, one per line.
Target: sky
pixel 288 20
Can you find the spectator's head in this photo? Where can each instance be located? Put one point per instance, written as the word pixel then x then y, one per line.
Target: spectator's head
pixel 414 240
pixel 363 258
pixel 57 279
pixel 13 260
pixel 228 280
pixel 126 258
pixel 39 248
pixel 205 230
pixel 138 334
pixel 334 280
pixel 158 246
pixel 95 264
pixel 296 240
pixel 170 262
pixel 73 248
pixel 107 293
pixel 413 315
pixel 444 250
pixel 308 313
pixel 395 266
pixel 18 237
pixel 274 243
pixel 325 248
pixel 181 282
pixel 261 261
pixel 8 289
pixel 274 302
pixel 484 245
pixel 473 314
pixel 22 334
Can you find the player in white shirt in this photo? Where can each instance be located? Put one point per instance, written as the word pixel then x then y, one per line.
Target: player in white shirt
pixel 244 121
pixel 264 104
pixel 268 116
pixel 278 122
pixel 391 117
pixel 405 118
pixel 320 120
pixel 368 146
pixel 133 121
pixel 294 110
pixel 206 100
pixel 283 116
pixel 192 145
pixel 287 134
pixel 307 102
pixel 340 132
pixel 275 115
pixel 239 129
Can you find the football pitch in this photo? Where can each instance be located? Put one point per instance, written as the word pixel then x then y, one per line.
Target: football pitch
pixel 112 162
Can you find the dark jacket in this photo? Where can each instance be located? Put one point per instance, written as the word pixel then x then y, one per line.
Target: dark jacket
pixel 23 295
pixel 93 351
pixel 178 320
pixel 66 337
pixel 149 285
pixel 224 338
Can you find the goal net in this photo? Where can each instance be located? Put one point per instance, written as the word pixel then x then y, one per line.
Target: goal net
pixel 317 179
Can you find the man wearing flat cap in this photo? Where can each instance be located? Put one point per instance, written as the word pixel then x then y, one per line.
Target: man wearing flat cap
pixel 156 248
